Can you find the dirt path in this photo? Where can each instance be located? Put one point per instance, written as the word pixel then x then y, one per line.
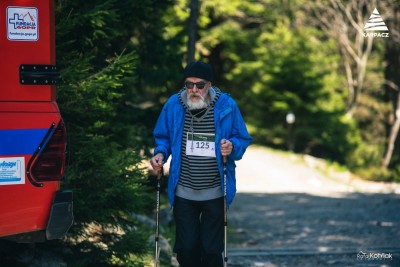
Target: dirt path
pixel 265 171
pixel 288 213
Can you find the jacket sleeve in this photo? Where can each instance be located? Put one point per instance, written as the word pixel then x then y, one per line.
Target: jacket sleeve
pixel 239 137
pixel 162 134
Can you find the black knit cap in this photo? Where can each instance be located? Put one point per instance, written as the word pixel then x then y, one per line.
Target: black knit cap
pixel 198 69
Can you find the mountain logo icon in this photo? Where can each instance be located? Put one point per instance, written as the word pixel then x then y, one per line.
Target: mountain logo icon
pixel 375 22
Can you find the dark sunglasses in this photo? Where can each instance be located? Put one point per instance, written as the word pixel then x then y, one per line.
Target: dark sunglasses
pixel 199 85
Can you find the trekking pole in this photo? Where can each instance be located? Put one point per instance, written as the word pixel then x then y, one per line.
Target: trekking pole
pixel 157 254
pixel 225 217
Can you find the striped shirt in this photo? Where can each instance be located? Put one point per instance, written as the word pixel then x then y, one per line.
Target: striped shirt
pixel 199 177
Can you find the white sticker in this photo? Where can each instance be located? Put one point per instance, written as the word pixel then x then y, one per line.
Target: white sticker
pixel 22 23
pixel 12 171
pixel 200 144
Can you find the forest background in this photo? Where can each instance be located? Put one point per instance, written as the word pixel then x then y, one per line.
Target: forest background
pixel 121 60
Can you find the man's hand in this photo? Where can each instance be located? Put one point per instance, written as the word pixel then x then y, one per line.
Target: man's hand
pixel 157 162
pixel 226 147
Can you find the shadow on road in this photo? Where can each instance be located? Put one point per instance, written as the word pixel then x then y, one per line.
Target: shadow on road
pixel 334 228
pixel 349 220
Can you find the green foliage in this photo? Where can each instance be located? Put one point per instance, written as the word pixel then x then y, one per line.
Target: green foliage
pixel 292 70
pixel 376 173
pixel 396 175
pixel 105 51
pixel 111 249
pixel 365 155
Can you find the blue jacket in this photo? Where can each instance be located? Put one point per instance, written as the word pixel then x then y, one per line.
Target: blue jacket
pixel 229 124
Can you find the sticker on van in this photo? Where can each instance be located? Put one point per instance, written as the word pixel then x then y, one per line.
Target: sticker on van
pixel 22 23
pixel 12 170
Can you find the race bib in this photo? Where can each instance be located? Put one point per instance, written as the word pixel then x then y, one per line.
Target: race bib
pixel 200 144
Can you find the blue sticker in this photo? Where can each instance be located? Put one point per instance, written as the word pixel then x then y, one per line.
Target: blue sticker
pixel 12 170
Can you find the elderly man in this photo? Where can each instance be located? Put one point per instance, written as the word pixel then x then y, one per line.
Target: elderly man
pixel 199 126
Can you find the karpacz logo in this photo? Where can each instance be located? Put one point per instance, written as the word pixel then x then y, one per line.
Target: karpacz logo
pixel 376 23
pixel 23 21
pixel 376 34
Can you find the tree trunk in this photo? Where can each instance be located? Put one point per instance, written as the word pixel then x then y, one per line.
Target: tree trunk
pixel 393 135
pixel 192 30
pixel 392 76
pixel 344 21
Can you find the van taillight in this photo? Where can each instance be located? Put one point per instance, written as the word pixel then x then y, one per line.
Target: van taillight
pixel 49 163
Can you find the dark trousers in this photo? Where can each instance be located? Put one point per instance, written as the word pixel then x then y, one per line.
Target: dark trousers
pixel 199 232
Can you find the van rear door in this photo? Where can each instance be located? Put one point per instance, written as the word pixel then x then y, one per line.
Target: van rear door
pixel 26 38
pixel 32 133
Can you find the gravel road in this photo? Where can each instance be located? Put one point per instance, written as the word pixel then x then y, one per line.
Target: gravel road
pixel 292 210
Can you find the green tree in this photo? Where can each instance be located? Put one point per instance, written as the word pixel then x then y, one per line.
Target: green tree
pixel 292 71
pixel 105 54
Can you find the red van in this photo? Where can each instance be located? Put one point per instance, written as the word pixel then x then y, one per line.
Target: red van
pixel 32 132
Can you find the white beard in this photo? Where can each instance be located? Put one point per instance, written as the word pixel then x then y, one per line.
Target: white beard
pixel 202 103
